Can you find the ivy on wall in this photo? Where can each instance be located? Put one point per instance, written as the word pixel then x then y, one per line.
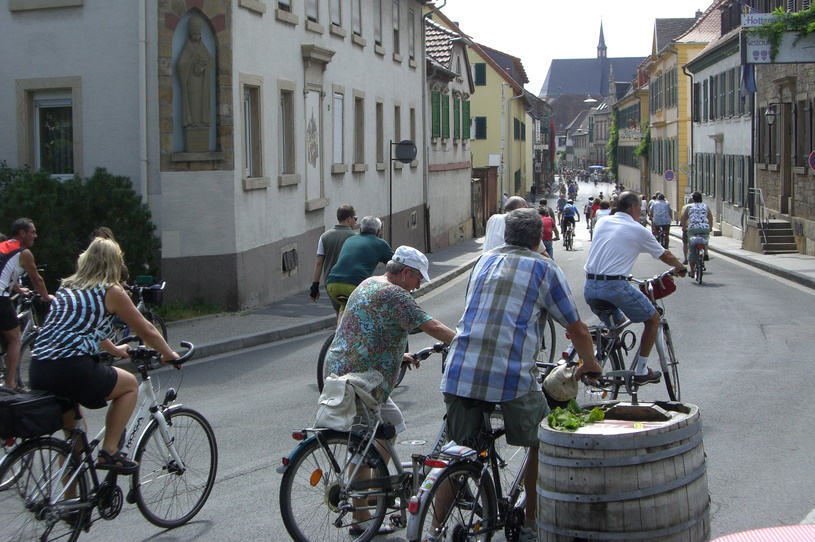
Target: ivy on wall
pixel 802 23
pixel 612 144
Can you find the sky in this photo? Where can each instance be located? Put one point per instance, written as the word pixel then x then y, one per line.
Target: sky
pixel 537 31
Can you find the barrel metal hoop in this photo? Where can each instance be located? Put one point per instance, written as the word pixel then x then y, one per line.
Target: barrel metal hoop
pixel 634 442
pixel 625 495
pixel 600 462
pixel 640 535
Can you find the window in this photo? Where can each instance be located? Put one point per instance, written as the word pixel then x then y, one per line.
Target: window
pixel 411 34
pixel 480 69
pixel 284 5
pixel 445 116
pixel 714 97
pixel 396 48
pixel 456 118
pixel 465 121
pixel 435 105
pixel 380 134
pixel 413 124
pixel 516 129
pixel 336 12
pixel 481 128
pixel 378 22
pixel 339 127
pixel 397 123
pixel 722 95
pixel 359 130
pixel 803 132
pixel 252 130
pixel 54 133
pixel 731 92
pixel 312 10
pixel 705 105
pixel 356 17
pixel 286 132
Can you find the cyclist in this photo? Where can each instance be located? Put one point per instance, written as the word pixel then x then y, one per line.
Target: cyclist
pixel 549 233
pixel 358 258
pixel 492 357
pixel 587 211
pixel 569 214
pixel 373 333
pixel 65 354
pixel 560 204
pixel 328 249
pixel 697 219
pixel 16 257
pixel 495 225
pixel 618 241
pixel 662 216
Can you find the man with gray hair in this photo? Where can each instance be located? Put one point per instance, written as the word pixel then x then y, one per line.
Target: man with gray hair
pixel 618 241
pixel 492 357
pixel 496 224
pixel 358 258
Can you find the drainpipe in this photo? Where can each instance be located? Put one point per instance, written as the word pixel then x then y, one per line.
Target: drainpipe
pixel 425 138
pixel 143 101
pixel 693 100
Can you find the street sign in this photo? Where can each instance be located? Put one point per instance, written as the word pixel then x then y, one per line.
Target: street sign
pixel 685 169
pixel 670 175
pixel 812 159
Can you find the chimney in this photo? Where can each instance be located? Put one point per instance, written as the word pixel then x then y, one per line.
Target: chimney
pixel 698 13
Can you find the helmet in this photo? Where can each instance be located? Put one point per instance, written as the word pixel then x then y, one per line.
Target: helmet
pixel 569 201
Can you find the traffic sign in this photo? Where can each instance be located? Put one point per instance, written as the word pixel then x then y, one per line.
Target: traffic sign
pixel 685 169
pixel 812 159
pixel 670 175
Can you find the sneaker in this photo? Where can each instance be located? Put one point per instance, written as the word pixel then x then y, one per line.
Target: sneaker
pixel 650 377
pixel 527 534
pixel 707 258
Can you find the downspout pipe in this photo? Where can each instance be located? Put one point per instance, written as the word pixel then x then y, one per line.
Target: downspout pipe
pixel 143 101
pixel 693 101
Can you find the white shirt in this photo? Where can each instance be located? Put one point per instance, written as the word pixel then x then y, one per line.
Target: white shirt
pixel 617 242
pixel 495 232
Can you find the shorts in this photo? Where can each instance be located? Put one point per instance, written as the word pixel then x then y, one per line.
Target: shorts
pixel 8 314
pixel 522 416
pixel 339 289
pixel 390 413
pixel 82 379
pixel 628 299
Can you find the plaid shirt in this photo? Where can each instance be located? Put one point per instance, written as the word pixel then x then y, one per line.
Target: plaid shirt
pixel 492 357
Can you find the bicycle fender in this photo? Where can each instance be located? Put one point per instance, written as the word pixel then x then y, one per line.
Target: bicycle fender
pixel 414 526
pixel 303 444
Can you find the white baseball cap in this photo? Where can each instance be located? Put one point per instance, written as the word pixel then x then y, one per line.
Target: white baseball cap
pixel 411 257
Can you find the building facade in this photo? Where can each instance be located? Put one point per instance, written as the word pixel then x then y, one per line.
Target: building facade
pixel 242 155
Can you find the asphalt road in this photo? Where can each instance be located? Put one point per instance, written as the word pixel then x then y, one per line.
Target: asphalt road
pixel 744 342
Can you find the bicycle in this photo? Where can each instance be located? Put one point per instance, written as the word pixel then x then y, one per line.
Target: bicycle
pixel 546 354
pixel 51 486
pixel 568 235
pixel 698 243
pixel 145 293
pixel 612 343
pixel 662 235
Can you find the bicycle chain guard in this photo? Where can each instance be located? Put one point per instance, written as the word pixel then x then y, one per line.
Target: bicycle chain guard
pixel 110 501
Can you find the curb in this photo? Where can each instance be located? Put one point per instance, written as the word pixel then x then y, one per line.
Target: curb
pixel 304 328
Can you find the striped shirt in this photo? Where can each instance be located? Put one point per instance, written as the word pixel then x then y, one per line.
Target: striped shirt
pixel 77 322
pixel 492 357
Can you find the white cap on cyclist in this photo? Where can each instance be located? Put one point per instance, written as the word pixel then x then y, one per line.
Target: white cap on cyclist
pixel 411 257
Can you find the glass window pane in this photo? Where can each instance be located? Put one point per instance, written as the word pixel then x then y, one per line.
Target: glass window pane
pixel 55 139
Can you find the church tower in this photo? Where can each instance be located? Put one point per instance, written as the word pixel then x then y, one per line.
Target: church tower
pixel 601 46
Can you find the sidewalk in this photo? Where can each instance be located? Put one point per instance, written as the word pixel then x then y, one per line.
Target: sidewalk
pixel 297 315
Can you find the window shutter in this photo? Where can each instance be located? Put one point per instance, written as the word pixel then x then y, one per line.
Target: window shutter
pixel 480 74
pixel 435 104
pixel 457 118
pixel 445 116
pixel 466 120
pixel 481 127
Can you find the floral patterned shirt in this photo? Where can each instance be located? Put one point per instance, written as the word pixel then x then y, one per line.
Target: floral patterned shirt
pixel 373 332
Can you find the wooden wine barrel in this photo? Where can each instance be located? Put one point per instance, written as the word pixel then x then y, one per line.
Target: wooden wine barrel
pixel 625 480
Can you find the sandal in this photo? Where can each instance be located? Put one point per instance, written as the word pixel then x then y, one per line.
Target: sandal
pixel 356 529
pixel 116 463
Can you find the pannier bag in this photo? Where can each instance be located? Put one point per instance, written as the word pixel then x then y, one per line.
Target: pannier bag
pixel 697 240
pixel 663 287
pixel 28 415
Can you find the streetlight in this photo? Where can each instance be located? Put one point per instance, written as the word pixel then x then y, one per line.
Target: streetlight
pixel 770 114
pixel 589 100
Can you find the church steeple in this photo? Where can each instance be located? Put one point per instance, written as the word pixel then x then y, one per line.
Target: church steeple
pixel 601 46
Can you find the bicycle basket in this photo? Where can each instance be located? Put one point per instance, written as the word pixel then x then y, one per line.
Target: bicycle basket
pixel 28 415
pixel 662 288
pixel 154 295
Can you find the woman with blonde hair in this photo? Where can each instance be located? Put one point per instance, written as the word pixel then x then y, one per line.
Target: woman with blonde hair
pixel 65 355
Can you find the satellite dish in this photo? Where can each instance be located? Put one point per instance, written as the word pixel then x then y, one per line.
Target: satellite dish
pixel 406 151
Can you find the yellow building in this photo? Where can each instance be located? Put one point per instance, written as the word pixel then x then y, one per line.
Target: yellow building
pixel 675 43
pixel 632 119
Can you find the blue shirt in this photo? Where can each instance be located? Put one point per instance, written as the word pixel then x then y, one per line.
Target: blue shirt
pixel 492 356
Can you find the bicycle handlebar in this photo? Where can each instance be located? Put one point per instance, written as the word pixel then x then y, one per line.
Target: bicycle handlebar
pixel 655 278
pixel 425 353
pixel 152 358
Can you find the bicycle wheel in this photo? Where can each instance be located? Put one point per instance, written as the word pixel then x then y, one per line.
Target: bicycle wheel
pixel 461 506
pixel 8 443
pixel 25 361
pixel 167 494
pixel 157 321
pixel 314 497
pixel 670 366
pixel 31 481
pixel 321 367
pixel 510 460
pixel 546 354
pixel 700 265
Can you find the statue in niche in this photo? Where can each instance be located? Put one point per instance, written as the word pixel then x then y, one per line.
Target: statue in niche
pixel 195 71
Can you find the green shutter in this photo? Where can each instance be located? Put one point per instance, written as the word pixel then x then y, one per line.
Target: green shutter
pixel 435 104
pixel 445 116
pixel 481 127
pixel 466 120
pixel 457 118
pixel 480 74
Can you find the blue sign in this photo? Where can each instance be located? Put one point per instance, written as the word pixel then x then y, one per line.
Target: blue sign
pixel 670 175
pixel 812 159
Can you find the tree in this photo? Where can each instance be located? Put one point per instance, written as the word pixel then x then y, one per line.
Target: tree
pixel 612 157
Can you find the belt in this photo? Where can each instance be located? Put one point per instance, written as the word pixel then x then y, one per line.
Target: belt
pixel 591 276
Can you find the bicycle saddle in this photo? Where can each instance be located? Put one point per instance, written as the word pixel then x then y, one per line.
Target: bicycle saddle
pixel 601 305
